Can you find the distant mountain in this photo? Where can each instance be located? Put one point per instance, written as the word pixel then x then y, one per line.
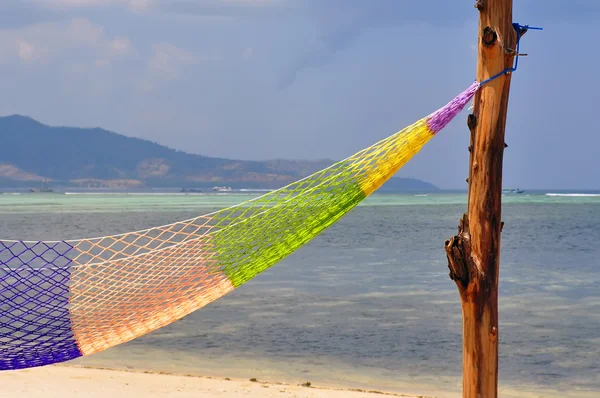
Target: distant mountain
pixel 32 152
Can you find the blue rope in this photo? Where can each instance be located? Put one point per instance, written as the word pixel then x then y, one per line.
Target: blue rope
pixel 521 29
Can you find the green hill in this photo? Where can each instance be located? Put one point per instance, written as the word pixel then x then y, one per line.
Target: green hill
pixel 32 152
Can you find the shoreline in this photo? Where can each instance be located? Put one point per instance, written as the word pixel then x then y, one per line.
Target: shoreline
pixel 85 381
pixel 59 381
pixel 307 385
pixel 100 382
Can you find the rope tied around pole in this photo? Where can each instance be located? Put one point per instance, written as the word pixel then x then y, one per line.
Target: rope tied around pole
pixel 521 29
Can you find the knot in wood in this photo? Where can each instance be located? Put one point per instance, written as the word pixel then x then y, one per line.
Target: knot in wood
pixel 489 36
pixel 472 121
pixel 493 334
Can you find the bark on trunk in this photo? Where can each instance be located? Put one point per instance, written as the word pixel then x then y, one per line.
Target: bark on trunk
pixel 474 253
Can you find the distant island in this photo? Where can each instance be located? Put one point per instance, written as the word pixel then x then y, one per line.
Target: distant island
pixel 40 157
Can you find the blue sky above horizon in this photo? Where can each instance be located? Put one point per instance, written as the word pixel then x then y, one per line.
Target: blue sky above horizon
pixel 304 79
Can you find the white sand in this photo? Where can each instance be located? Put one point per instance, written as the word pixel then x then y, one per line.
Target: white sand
pixel 74 382
pixel 63 381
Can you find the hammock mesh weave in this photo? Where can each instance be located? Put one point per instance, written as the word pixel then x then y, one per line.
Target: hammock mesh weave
pixel 64 299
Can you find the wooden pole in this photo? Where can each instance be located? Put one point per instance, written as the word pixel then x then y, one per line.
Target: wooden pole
pixel 474 254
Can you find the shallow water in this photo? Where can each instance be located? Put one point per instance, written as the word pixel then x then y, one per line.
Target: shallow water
pixel 368 303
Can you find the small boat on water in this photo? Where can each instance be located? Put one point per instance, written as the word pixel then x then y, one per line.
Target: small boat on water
pixel 512 191
pixel 43 188
pixel 190 190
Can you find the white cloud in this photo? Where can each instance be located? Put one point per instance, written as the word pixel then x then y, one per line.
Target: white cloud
pixel 47 41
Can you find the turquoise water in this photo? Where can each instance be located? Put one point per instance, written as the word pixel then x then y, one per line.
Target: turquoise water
pixel 368 303
pixel 166 202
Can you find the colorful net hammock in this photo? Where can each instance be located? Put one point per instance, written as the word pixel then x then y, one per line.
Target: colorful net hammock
pixel 61 300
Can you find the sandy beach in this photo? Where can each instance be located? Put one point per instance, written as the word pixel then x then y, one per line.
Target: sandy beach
pixel 63 381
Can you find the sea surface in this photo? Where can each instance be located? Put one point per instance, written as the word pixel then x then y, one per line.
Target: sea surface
pixel 368 303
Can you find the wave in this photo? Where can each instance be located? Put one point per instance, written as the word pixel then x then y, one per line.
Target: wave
pixel 574 194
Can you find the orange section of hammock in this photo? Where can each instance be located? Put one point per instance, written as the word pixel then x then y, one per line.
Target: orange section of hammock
pixel 116 301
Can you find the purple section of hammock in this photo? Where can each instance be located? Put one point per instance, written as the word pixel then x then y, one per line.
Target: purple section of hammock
pixel 440 118
pixel 35 324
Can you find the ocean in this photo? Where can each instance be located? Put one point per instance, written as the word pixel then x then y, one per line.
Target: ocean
pixel 368 303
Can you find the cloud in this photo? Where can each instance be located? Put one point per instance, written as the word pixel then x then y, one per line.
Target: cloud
pixel 196 7
pixel 400 11
pixel 44 42
pixel 168 63
pixel 341 22
pixel 168 59
pixel 225 8
pixel 120 46
pixel 138 5
pixel 25 50
pixel 14 14
pixel 573 10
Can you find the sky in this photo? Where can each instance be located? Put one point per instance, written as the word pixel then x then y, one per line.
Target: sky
pixel 305 79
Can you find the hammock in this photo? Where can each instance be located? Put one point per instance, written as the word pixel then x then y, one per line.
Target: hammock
pixel 60 300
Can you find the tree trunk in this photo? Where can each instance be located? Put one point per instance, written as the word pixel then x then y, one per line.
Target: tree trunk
pixel 474 254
